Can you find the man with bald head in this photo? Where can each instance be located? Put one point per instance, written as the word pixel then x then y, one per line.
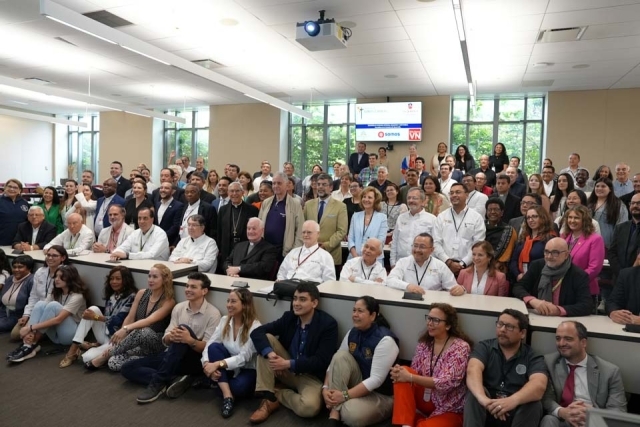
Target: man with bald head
pixel 485 169
pixel 76 238
pixel 254 257
pixel 366 268
pixel 554 286
pixel 481 184
pixel 622 184
pixel 310 261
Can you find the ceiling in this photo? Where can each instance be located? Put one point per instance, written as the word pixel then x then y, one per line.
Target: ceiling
pixel 398 48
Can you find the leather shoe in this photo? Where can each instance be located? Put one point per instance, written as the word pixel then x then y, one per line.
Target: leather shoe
pixel 266 408
pixel 227 407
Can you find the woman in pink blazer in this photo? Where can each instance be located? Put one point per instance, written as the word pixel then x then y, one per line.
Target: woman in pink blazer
pixel 482 277
pixel 586 247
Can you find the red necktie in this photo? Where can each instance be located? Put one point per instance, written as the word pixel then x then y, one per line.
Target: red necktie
pixel 569 390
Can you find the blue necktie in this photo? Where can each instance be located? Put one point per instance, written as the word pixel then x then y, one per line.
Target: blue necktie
pixel 321 210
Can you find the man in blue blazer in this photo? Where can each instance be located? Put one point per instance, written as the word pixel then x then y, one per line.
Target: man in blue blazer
pixel 168 213
pixel 104 203
pixel 299 357
pixel 358 160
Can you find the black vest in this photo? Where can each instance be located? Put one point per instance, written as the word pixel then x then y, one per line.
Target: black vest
pixel 362 345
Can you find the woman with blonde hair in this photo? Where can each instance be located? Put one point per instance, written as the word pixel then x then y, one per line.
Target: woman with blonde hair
pixel 230 357
pixel 211 183
pixel 369 222
pixel 142 329
pixel 436 159
pixel 535 185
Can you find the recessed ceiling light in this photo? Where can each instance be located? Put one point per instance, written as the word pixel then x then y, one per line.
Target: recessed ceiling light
pixel 391 76
pixel 542 64
pixel 229 22
pixel 347 24
pixel 581 66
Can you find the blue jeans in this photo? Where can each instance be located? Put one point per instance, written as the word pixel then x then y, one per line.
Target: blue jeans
pixel 60 334
pixel 244 383
pixel 160 368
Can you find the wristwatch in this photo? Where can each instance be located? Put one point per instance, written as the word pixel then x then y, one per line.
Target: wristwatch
pixel 463 264
pixel 126 329
pixel 222 364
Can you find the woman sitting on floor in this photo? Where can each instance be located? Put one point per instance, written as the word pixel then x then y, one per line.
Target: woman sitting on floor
pixel 119 291
pixel 15 293
pixel 230 357
pixel 142 330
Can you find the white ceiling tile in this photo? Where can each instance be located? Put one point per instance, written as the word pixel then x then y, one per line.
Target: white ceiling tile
pixel 606 15
pixel 618 29
pixel 377 35
pixel 427 16
pixel 371 21
pixel 386 48
pixel 505 8
pixel 586 56
pixel 569 5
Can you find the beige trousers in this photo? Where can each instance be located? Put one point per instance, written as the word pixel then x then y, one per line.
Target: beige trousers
pixel 306 400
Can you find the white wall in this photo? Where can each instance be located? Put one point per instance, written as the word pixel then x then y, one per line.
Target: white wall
pixel 26 148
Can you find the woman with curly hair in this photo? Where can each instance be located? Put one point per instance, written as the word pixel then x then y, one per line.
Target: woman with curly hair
pixel 434 201
pixel 464 160
pixel 537 230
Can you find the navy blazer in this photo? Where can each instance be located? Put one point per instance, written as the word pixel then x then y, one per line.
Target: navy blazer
pixel 123 184
pixel 356 167
pixel 171 221
pixel 177 195
pixel 117 200
pixel 46 233
pixel 322 341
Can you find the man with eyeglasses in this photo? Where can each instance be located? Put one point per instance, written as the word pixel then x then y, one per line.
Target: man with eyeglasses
pixel 506 378
pixel 626 240
pixel 13 211
pixel 114 235
pixel 35 233
pixel 622 184
pixel 420 271
pixel 554 286
pixel 475 199
pixel 198 248
pixel 332 217
pixel 76 238
pixel 365 268
pixel 481 184
pixel 147 242
pixel 456 230
pixel 409 225
pixel 310 261
pixel 528 201
pixel 369 173
pixel 548 180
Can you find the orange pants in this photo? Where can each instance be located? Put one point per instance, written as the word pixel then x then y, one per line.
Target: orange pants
pixel 409 398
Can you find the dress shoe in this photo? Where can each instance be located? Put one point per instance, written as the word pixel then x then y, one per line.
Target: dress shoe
pixel 266 408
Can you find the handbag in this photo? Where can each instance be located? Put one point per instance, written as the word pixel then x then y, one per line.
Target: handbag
pixel 284 289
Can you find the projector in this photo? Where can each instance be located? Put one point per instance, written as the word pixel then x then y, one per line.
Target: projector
pixel 323 34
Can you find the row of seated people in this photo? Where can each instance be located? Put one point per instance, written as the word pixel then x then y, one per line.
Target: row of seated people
pixel 167 347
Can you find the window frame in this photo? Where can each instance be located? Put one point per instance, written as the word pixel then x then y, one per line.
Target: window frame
pixel 94 131
pixel 177 128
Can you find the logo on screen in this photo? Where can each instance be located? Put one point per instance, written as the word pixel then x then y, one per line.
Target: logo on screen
pixel 380 134
pixel 415 134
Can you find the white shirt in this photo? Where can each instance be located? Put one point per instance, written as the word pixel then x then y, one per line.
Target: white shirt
pixel 433 275
pixel 34 235
pixel 384 356
pixel 153 245
pixel 74 244
pixel 581 384
pixel 203 252
pixel 408 226
pixel 41 289
pixel 548 188
pixel 243 355
pixel 258 181
pixel 478 287
pixel 445 186
pixel 100 214
pixel 476 201
pixel 189 211
pixel 105 234
pixel 163 208
pixel 362 272
pixel 455 234
pixel 304 263
pixel 339 195
pixel 223 202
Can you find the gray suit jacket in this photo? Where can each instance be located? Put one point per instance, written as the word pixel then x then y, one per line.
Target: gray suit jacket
pixel 604 379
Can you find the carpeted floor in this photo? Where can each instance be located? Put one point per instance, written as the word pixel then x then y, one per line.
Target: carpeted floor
pixel 38 393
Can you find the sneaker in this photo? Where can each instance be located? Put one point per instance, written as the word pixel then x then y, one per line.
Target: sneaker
pixel 14 352
pixel 179 386
pixel 151 393
pixel 24 352
pixel 266 408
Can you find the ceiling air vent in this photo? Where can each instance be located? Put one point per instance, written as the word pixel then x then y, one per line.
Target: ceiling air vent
pixel 37 81
pixel 537 83
pixel 209 64
pixel 556 35
pixel 108 19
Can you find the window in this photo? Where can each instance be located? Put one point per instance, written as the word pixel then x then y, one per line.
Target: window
pixel 327 137
pixel 83 147
pixel 517 122
pixel 190 139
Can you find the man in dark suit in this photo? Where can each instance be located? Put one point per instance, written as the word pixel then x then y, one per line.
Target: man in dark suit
pixel 623 305
pixel 489 175
pixel 626 240
pixel 166 175
pixel 168 212
pixel 223 193
pixel 24 240
pixel 527 202
pixel 626 199
pixel 515 188
pixel 548 180
pixel 568 396
pixel 255 257
pixel 87 179
pixel 195 206
pixel 197 179
pixel 358 160
pixel 555 278
pixel 123 184
pixel 232 223
pixel 298 363
pixel 103 204
pixel 511 202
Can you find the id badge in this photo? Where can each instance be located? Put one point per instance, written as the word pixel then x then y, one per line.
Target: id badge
pixel 427 395
pixel 456 243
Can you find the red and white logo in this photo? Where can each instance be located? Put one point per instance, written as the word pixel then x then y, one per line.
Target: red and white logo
pixel 415 134
pixel 380 134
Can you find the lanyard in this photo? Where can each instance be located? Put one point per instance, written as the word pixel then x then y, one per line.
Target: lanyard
pixel 472 196
pixel 50 280
pixel 72 243
pixel 364 273
pixel 455 225
pixel 433 350
pixel 148 237
pixel 425 271
pixel 308 256
pixel 187 213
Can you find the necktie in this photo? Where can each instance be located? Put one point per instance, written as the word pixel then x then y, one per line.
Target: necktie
pixel 569 390
pixel 321 210
pixel 250 248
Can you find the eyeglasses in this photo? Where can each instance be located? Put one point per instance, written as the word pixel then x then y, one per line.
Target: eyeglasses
pixel 434 320
pixel 13 187
pixel 553 254
pixel 529 217
pixel 509 327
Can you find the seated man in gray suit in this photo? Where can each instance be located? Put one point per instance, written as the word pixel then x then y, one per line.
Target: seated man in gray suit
pixel 578 380
pixel 255 257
